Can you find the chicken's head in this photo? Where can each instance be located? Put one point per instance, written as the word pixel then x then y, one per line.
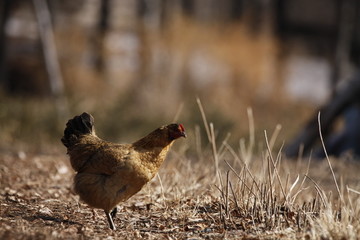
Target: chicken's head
pixel 176 131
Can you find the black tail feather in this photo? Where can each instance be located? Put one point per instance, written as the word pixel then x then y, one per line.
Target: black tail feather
pixel 76 127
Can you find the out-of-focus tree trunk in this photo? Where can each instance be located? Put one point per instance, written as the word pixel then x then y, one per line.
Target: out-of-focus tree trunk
pixel 4 14
pixel 50 55
pixel 346 19
pixel 98 38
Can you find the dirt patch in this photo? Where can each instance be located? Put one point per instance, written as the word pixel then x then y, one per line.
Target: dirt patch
pixel 37 202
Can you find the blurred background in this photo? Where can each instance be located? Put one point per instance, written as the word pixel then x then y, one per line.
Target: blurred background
pixel 136 65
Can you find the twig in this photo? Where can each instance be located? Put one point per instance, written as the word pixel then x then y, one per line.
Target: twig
pixel 198 142
pixel 213 144
pixel 245 165
pixel 251 134
pixel 235 198
pixel 273 163
pixel 210 134
pixel 352 190
pixel 162 188
pixel 178 112
pixel 240 179
pixel 328 160
pixel 227 194
pixel 204 119
pixel 318 189
pixel 275 135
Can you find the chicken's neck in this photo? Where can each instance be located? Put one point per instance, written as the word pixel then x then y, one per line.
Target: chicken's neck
pixel 151 143
pixel 155 145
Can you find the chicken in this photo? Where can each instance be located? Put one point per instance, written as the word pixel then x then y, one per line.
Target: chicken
pixel 110 173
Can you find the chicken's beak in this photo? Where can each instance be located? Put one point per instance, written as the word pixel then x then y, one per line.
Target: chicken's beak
pixel 183 134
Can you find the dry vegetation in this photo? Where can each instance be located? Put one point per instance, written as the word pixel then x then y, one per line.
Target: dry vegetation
pixel 220 191
pixel 213 185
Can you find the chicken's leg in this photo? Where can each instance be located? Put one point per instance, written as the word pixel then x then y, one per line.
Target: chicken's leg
pixel 114 212
pixel 110 220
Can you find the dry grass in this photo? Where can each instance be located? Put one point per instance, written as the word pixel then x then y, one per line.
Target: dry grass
pixel 213 186
pixel 219 191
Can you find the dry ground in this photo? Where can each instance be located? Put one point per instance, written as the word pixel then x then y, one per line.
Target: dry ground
pixel 37 202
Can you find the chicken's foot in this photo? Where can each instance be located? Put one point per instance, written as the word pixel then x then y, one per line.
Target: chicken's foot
pixel 110 220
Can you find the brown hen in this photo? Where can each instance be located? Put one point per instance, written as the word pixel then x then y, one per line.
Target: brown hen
pixel 110 173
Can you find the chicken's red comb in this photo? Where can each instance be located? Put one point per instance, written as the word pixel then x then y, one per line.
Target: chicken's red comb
pixel 181 127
